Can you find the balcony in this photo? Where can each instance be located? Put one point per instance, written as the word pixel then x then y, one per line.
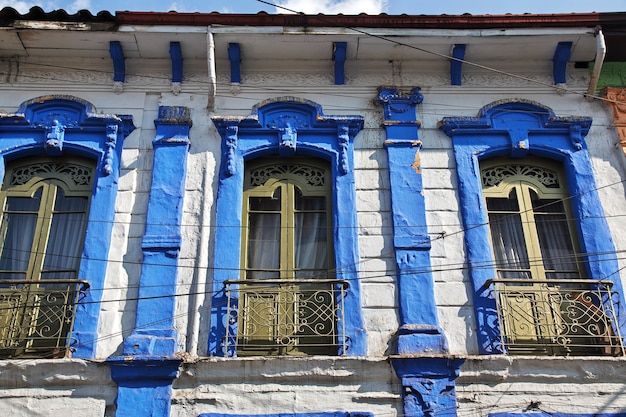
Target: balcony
pixel 557 317
pixel 286 317
pixel 36 317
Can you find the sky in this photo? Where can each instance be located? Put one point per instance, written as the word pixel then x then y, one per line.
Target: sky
pixel 391 7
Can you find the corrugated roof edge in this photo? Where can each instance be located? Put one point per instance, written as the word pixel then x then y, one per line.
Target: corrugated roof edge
pixel 8 15
pixel 465 21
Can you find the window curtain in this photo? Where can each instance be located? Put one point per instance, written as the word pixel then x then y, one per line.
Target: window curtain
pixel 19 221
pixel 64 247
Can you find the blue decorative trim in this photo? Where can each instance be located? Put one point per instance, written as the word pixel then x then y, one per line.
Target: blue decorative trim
pixel 553 414
pixel 428 387
pixel 562 54
pixel 517 128
pixel 234 55
pixel 456 64
pixel 85 133
pixel 144 386
pixel 419 326
pixel 286 126
pixel 399 107
pixel 176 56
pixel 154 333
pixel 339 56
pixel 323 414
pixel 117 55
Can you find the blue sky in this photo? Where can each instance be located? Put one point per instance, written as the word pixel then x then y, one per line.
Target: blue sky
pixel 329 6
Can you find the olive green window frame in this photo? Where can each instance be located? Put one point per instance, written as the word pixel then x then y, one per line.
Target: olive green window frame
pixel 272 303
pixel 544 310
pixel 38 303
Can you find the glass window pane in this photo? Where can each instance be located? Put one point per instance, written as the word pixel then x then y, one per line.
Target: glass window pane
pixel 64 246
pixel 266 203
pixel 263 241
pixel 309 203
pixel 556 244
pixel 310 241
pixel 18 230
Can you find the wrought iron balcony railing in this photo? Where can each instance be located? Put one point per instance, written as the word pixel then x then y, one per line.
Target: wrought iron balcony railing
pixel 286 317
pixel 557 317
pixel 36 317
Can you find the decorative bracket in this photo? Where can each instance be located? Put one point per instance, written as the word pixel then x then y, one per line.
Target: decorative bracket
pixel 231 148
pixel 562 55
pixel 519 142
pixel 456 64
pixel 397 106
pixel 111 142
pixel 234 55
pixel 343 137
pixel 339 56
pixel 177 67
pixel 289 139
pixel 616 97
pixel 54 138
pixel 119 68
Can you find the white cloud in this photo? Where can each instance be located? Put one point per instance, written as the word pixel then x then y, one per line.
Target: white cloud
pixel 333 6
pixel 77 5
pixel 21 6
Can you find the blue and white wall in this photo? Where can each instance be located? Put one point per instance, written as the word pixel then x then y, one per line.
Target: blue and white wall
pixel 439 325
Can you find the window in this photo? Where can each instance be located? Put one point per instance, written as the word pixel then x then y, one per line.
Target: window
pixel 544 305
pixel 44 216
pixel 287 291
pixel 285 265
pixel 544 273
pixel 528 213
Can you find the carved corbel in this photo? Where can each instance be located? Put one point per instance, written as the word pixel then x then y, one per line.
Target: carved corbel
pixel 343 138
pixel 428 396
pixel 111 142
pixel 231 149
pixel 54 138
pixel 519 142
pixel 288 140
pixel 616 100
pixel 576 136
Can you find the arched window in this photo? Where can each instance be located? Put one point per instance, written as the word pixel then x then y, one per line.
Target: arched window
pixel 45 204
pixel 289 165
pixel 287 291
pixel 544 271
pixel 529 220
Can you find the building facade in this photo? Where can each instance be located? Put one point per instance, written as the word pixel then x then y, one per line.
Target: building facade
pixel 284 215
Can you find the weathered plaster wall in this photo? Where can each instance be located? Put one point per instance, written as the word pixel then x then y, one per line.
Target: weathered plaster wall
pixel 314 384
pixel 69 387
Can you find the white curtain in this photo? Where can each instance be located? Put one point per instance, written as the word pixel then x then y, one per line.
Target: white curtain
pixel 264 237
pixel 555 241
pixel 65 239
pixel 18 230
pixel 507 237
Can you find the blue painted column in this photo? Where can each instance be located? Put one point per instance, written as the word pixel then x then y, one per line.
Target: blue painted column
pixel 419 327
pixel 428 385
pixel 426 370
pixel 145 374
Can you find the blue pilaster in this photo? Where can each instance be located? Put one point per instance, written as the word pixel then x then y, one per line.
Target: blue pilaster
pixel 428 388
pixel 419 329
pixel 154 333
pixel 144 386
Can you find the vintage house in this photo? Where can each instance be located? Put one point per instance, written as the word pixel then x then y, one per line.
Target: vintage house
pixel 224 215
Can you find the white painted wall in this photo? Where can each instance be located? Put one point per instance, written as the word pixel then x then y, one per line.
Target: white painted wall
pixel 313 384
